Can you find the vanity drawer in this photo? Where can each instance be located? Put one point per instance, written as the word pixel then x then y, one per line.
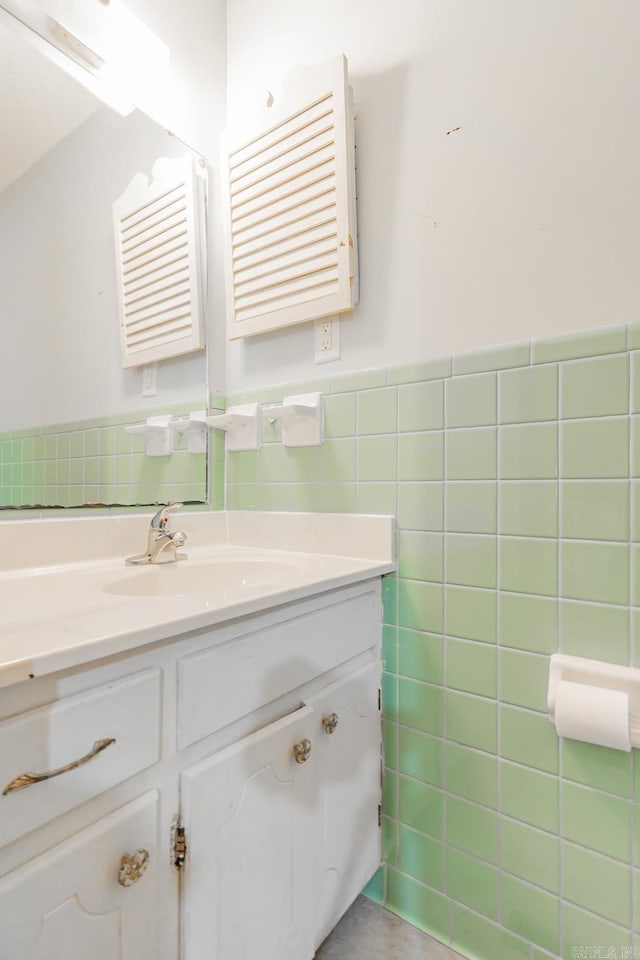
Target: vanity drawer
pixel 80 728
pixel 226 682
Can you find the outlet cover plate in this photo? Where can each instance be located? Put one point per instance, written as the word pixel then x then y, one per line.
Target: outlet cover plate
pixel 327 339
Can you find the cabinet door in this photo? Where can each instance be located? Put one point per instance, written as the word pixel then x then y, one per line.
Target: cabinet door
pixel 249 878
pixel 347 770
pixel 68 901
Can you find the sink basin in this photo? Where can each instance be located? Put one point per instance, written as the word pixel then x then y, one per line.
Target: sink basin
pixel 183 578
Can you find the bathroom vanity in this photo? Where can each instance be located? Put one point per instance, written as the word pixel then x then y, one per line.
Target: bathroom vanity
pixel 216 753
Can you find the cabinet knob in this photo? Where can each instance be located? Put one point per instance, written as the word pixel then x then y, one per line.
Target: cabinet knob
pixel 132 866
pixel 330 723
pixel 302 751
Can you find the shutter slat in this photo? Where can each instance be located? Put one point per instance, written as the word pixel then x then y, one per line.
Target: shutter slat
pixel 168 279
pixel 274 267
pixel 162 333
pixel 294 191
pixel 289 223
pixel 175 226
pixel 176 232
pixel 168 206
pixel 314 291
pixel 142 311
pixel 260 292
pixel 157 264
pixel 139 331
pixel 273 160
pixel 301 120
pixel 271 183
pixel 299 173
pixel 162 200
pixel 315 196
pixel 257 241
pixel 296 248
pixel 175 214
pixel 294 285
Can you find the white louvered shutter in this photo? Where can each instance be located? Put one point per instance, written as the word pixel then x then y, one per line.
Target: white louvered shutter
pixel 158 263
pixel 291 225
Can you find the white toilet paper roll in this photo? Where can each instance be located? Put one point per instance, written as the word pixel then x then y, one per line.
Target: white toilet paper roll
pixel 593 714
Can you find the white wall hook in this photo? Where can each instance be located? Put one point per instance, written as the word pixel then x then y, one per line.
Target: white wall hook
pixel 195 427
pixel 301 419
pixel 156 432
pixel 240 425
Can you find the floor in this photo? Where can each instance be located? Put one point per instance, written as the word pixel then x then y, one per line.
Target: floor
pixel 369 932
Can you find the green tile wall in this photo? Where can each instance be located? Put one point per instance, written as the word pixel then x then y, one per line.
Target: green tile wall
pixel 96 462
pixel 512 474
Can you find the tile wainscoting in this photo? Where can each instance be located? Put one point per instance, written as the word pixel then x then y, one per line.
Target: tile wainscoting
pixel 96 462
pixel 512 473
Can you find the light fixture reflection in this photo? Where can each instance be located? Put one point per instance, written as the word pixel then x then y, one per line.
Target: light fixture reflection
pixel 100 44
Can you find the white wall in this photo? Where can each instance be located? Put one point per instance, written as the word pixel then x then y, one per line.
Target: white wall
pixel 522 223
pixel 195 111
pixel 60 333
pixel 195 32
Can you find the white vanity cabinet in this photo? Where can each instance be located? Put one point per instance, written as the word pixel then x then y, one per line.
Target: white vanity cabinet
pixel 247 754
pixel 284 828
pixel 67 903
pixel 251 871
pixel 113 728
pixel 347 797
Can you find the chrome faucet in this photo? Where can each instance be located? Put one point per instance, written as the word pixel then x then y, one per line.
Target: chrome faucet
pixel 162 543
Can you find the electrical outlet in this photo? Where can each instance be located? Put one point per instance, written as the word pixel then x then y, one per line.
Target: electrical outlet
pixel 327 340
pixel 150 380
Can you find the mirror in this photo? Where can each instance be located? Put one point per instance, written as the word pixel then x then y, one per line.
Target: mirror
pixel 65 398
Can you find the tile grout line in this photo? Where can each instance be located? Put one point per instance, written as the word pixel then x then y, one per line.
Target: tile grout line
pixel 559 592
pixel 495 865
pixel 472 910
pixel 443 617
pixel 622 928
pixel 507 760
pixel 397 616
pixel 498 657
pixel 630 633
pixel 499 871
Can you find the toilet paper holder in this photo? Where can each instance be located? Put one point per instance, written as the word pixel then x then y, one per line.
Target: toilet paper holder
pixel 596 673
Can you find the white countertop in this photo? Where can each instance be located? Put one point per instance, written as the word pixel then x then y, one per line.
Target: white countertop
pixel 64 614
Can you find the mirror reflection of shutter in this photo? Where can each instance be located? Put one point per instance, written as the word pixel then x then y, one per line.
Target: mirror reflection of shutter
pixel 291 223
pixel 158 261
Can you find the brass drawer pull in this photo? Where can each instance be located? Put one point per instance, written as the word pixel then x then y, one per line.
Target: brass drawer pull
pixel 302 751
pixel 132 866
pixel 26 779
pixel 330 723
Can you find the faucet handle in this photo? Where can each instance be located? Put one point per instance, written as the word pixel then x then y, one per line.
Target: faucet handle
pixel 160 520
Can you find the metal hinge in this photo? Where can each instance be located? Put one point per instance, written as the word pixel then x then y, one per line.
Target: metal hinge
pixel 179 847
pixel 379 814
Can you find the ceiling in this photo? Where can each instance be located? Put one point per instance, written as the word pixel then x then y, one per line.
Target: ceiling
pixel 39 106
